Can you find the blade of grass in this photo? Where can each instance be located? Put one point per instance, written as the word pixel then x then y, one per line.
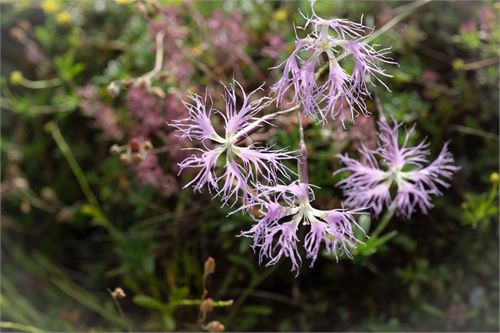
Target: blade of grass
pixel 79 294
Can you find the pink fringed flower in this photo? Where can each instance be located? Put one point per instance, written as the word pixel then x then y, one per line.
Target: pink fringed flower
pixel 404 169
pixel 275 232
pixel 328 97
pixel 241 164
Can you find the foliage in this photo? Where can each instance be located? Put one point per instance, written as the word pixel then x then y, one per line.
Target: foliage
pixel 79 217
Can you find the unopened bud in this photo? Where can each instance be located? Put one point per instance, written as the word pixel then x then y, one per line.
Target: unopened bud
pixel 207 305
pixel 113 89
pixel 215 326
pixel 115 149
pixel 118 293
pixel 134 145
pixel 20 183
pixel 125 157
pixel 137 158
pixel 48 194
pixel 147 145
pixel 209 265
pixel 25 207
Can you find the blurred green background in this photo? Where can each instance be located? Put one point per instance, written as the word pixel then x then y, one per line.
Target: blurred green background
pixel 79 221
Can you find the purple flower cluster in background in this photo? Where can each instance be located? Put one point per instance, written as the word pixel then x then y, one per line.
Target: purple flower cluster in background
pixel 106 118
pixel 227 36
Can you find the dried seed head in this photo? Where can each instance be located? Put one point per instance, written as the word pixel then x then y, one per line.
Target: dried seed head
pixel 134 145
pixel 25 206
pixel 118 293
pixel 115 149
pixel 209 265
pixel 137 158
pixel 125 157
pixel 215 326
pixel 113 89
pixel 20 183
pixel 48 194
pixel 147 145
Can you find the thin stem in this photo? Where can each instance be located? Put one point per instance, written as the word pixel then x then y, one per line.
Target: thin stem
pixel 40 84
pixel 244 133
pixel 20 327
pixel 192 302
pixel 255 282
pixel 158 59
pixel 77 171
pixel 386 218
pixel 120 310
pixel 303 153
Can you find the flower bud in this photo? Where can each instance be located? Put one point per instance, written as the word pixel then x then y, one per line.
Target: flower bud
pixel 113 89
pixel 115 149
pixel 134 145
pixel 48 194
pixel 147 145
pixel 137 158
pixel 207 305
pixel 215 326
pixel 494 177
pixel 209 265
pixel 118 293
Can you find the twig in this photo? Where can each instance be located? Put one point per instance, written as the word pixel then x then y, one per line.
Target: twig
pixel 120 310
pixel 479 64
pixel 474 131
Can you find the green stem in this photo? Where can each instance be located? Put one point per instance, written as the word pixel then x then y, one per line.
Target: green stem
pixel 20 327
pixel 41 84
pixel 191 302
pixel 244 295
pixel 386 218
pixel 77 171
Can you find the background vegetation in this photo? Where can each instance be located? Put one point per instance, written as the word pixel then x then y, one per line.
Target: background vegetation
pixel 79 221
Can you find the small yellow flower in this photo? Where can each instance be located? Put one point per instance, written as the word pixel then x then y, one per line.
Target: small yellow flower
pixel 280 15
pixel 51 6
pixel 124 2
pixel 64 18
pixel 458 64
pixel 15 78
pixel 494 177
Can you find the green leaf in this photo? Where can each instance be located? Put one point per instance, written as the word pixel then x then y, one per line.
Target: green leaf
pixel 148 302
